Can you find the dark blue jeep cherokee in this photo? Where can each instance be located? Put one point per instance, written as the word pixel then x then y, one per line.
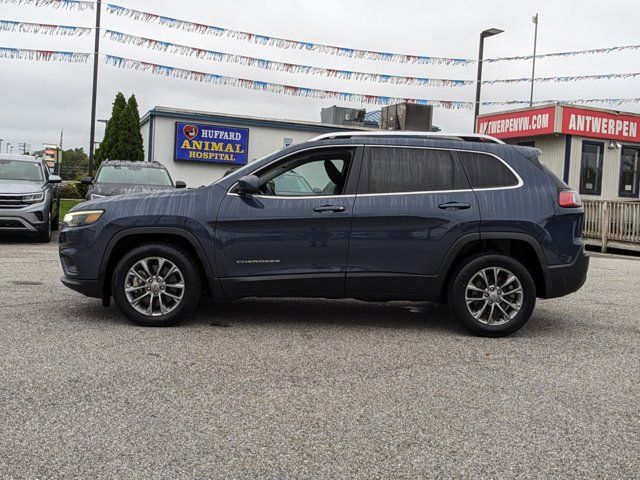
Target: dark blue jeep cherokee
pixel 373 216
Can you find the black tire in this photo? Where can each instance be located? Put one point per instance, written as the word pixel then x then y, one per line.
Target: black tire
pixel 458 293
pixel 191 279
pixel 44 233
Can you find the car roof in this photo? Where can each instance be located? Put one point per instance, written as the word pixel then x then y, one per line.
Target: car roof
pixel 464 137
pixel 20 158
pixel 124 163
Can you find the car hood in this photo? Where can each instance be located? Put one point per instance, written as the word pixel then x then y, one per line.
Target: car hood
pixel 19 186
pixel 131 203
pixel 108 189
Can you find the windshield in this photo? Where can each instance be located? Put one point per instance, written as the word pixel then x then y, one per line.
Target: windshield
pixel 20 170
pixel 133 175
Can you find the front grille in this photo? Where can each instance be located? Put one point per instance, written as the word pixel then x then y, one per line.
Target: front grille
pixel 11 201
pixel 11 224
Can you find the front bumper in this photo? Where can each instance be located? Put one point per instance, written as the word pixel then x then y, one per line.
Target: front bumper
pixel 25 219
pixel 565 279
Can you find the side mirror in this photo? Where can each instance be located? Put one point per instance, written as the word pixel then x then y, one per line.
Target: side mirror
pixel 180 184
pixel 54 179
pixel 87 181
pixel 248 185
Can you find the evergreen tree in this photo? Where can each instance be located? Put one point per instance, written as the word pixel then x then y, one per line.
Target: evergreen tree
pixel 132 138
pixel 111 133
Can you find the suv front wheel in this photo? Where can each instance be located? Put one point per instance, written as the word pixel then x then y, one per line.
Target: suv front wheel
pixel 156 285
pixel 492 295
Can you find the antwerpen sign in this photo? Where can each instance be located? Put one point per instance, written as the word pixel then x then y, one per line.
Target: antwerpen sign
pixel 597 124
pixel 524 123
pixel 211 143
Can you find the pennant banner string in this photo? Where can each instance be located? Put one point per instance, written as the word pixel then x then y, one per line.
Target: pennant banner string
pixel 43 28
pixel 265 64
pixel 43 55
pixel 278 42
pixel 79 5
pixel 566 54
pixel 291 90
pixel 279 66
pixel 168 71
pixel 573 78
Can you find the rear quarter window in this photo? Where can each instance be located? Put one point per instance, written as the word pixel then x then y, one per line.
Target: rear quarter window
pixel 405 169
pixel 486 171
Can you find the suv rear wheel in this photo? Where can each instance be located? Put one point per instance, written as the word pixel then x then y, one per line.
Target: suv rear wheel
pixel 156 285
pixel 492 295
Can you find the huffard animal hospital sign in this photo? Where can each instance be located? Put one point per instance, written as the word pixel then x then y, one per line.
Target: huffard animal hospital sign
pixel 211 143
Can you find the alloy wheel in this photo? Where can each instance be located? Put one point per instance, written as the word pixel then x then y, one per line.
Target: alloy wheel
pixel 154 286
pixel 494 296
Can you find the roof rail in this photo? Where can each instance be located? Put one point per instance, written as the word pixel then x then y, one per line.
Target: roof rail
pixel 462 137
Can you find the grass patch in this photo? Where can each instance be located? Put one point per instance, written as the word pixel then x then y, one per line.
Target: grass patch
pixel 65 206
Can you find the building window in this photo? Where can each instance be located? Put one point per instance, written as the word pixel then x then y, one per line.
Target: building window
pixel 529 143
pixel 591 168
pixel 629 172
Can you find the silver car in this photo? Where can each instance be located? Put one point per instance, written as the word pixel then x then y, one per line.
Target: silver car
pixel 29 200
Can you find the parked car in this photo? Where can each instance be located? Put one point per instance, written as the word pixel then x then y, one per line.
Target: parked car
pixel 115 177
pixel 396 216
pixel 29 200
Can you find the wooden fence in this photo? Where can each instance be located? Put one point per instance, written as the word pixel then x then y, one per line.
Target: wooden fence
pixel 611 224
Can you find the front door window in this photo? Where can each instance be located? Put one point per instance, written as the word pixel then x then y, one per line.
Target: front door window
pixel 309 176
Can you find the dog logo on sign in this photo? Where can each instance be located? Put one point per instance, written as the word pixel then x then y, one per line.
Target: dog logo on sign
pixel 190 131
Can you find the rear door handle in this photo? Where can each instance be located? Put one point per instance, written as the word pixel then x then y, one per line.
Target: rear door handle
pixel 329 208
pixel 454 206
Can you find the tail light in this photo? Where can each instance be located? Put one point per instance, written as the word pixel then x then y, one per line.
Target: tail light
pixel 569 199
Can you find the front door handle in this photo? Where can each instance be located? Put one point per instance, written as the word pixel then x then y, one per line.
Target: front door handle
pixel 329 208
pixel 454 206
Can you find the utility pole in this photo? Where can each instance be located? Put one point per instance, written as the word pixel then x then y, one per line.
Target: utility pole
pixel 96 55
pixel 486 33
pixel 533 68
pixel 60 152
pixel 24 147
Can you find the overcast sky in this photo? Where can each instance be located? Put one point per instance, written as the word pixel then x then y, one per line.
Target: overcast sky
pixel 37 99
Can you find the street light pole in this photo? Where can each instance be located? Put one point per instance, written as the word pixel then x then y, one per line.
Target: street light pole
pixel 533 68
pixel 96 54
pixel 485 34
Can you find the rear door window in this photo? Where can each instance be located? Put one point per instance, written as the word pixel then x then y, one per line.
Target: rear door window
pixel 406 169
pixel 486 171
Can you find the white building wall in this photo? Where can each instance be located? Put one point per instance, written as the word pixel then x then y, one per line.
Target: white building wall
pixel 262 141
pixel 553 153
pixel 552 146
pixel 610 169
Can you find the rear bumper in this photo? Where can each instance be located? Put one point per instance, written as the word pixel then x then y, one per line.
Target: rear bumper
pixel 565 279
pixel 90 288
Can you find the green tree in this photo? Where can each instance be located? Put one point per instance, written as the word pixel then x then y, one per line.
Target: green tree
pixel 74 163
pixel 131 139
pixel 112 131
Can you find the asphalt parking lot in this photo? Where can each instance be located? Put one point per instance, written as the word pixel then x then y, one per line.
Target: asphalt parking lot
pixel 315 388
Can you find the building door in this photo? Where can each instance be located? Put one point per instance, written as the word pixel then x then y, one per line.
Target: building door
pixel 413 204
pixel 293 237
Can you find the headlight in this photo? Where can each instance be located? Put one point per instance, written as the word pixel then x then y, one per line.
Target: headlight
pixel 82 217
pixel 95 197
pixel 33 197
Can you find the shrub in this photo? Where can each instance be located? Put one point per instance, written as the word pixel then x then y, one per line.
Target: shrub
pixel 69 190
